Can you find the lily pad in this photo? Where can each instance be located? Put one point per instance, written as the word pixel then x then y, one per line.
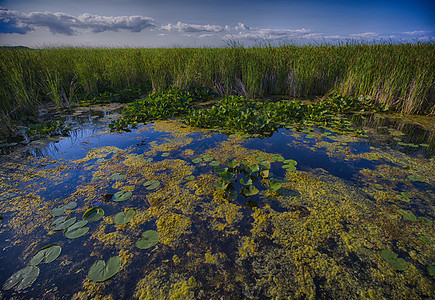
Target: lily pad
pixel 207 158
pixel 290 162
pixel 392 258
pixel 197 160
pixel 62 223
pixel 117 176
pixel 407 215
pixel 152 184
pixel 100 271
pixel 277 158
pixel 247 182
pixel 227 176
pixel 289 168
pixel 22 278
pixel 404 197
pixel 77 230
pixel 214 163
pixel 190 177
pixel 93 214
pixel 253 168
pixel 221 185
pixel 431 271
pixel 265 164
pixel 56 212
pixel 264 173
pixel 249 191
pixel 124 217
pixel 273 185
pixel 165 154
pixel 425 239
pixel 232 163
pixel 121 196
pixel 149 239
pixel 415 178
pixel 46 254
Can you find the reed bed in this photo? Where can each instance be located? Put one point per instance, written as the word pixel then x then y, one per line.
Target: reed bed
pixel 399 75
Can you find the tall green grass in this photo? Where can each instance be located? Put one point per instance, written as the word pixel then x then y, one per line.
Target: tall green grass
pixel 400 75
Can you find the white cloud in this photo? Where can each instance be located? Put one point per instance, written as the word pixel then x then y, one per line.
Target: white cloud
pixel 274 34
pixel 184 27
pixel 61 23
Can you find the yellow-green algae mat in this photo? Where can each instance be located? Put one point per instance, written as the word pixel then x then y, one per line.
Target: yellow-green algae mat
pixel 318 237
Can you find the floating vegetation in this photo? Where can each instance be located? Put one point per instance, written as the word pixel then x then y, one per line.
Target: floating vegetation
pixel 416 178
pixel 152 184
pixel 22 278
pixel 46 254
pixel 76 230
pixel 117 176
pixel 101 271
pixel 62 223
pixel 124 217
pixel 392 258
pixel 93 214
pixel 197 160
pixel 49 128
pixel 407 215
pixel 56 212
pixel 149 239
pixel 121 196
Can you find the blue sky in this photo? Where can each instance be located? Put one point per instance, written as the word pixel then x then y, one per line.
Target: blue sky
pixel 197 23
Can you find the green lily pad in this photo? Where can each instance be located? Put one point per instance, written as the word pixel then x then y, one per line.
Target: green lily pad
pixel 152 184
pixel 100 271
pixel 277 158
pixel 407 215
pixel 425 220
pixel 197 160
pixel 77 230
pixel 62 223
pixel 232 163
pixel 56 212
pixel 290 162
pixel 392 258
pixel 22 278
pixel 190 177
pixel 221 185
pixel 149 239
pixel 117 176
pixel 214 163
pixel 247 182
pixel 207 158
pixel 121 196
pixel 252 169
pixel 431 270
pixel 124 217
pixel 289 168
pixel 415 178
pixel 260 158
pixel 227 176
pixel 101 160
pixel 273 185
pixel 265 164
pixel 46 254
pixel 93 214
pixel 425 239
pixel 165 154
pixel 403 197
pixel 249 191
pixel 309 136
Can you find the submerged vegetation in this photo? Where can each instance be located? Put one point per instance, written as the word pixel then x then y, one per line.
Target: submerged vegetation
pixel 399 76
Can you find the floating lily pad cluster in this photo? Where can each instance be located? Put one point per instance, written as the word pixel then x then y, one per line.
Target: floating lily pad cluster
pixel 247 175
pixel 392 258
pixel 25 277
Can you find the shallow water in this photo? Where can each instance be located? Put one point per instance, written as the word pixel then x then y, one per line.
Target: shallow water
pixel 320 235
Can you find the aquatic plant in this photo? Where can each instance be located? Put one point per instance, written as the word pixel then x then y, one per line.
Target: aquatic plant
pixel 117 176
pixel 407 215
pixel 47 254
pixel 148 240
pixel 121 196
pixel 22 278
pixel 101 271
pixel 93 214
pixel 49 128
pixel 151 184
pixel 392 258
pixel 124 217
pixel 76 230
pixel 56 212
pixel 62 223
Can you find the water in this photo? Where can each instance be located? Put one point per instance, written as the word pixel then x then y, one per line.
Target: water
pixel 323 235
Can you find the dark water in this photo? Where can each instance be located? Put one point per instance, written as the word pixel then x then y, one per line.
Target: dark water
pixel 320 236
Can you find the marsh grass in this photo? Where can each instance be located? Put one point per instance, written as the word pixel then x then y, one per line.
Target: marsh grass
pixel 398 75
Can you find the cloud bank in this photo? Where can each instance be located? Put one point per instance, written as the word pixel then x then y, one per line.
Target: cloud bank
pixel 61 23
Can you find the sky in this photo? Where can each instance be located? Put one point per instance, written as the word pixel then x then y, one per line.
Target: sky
pixel 207 23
